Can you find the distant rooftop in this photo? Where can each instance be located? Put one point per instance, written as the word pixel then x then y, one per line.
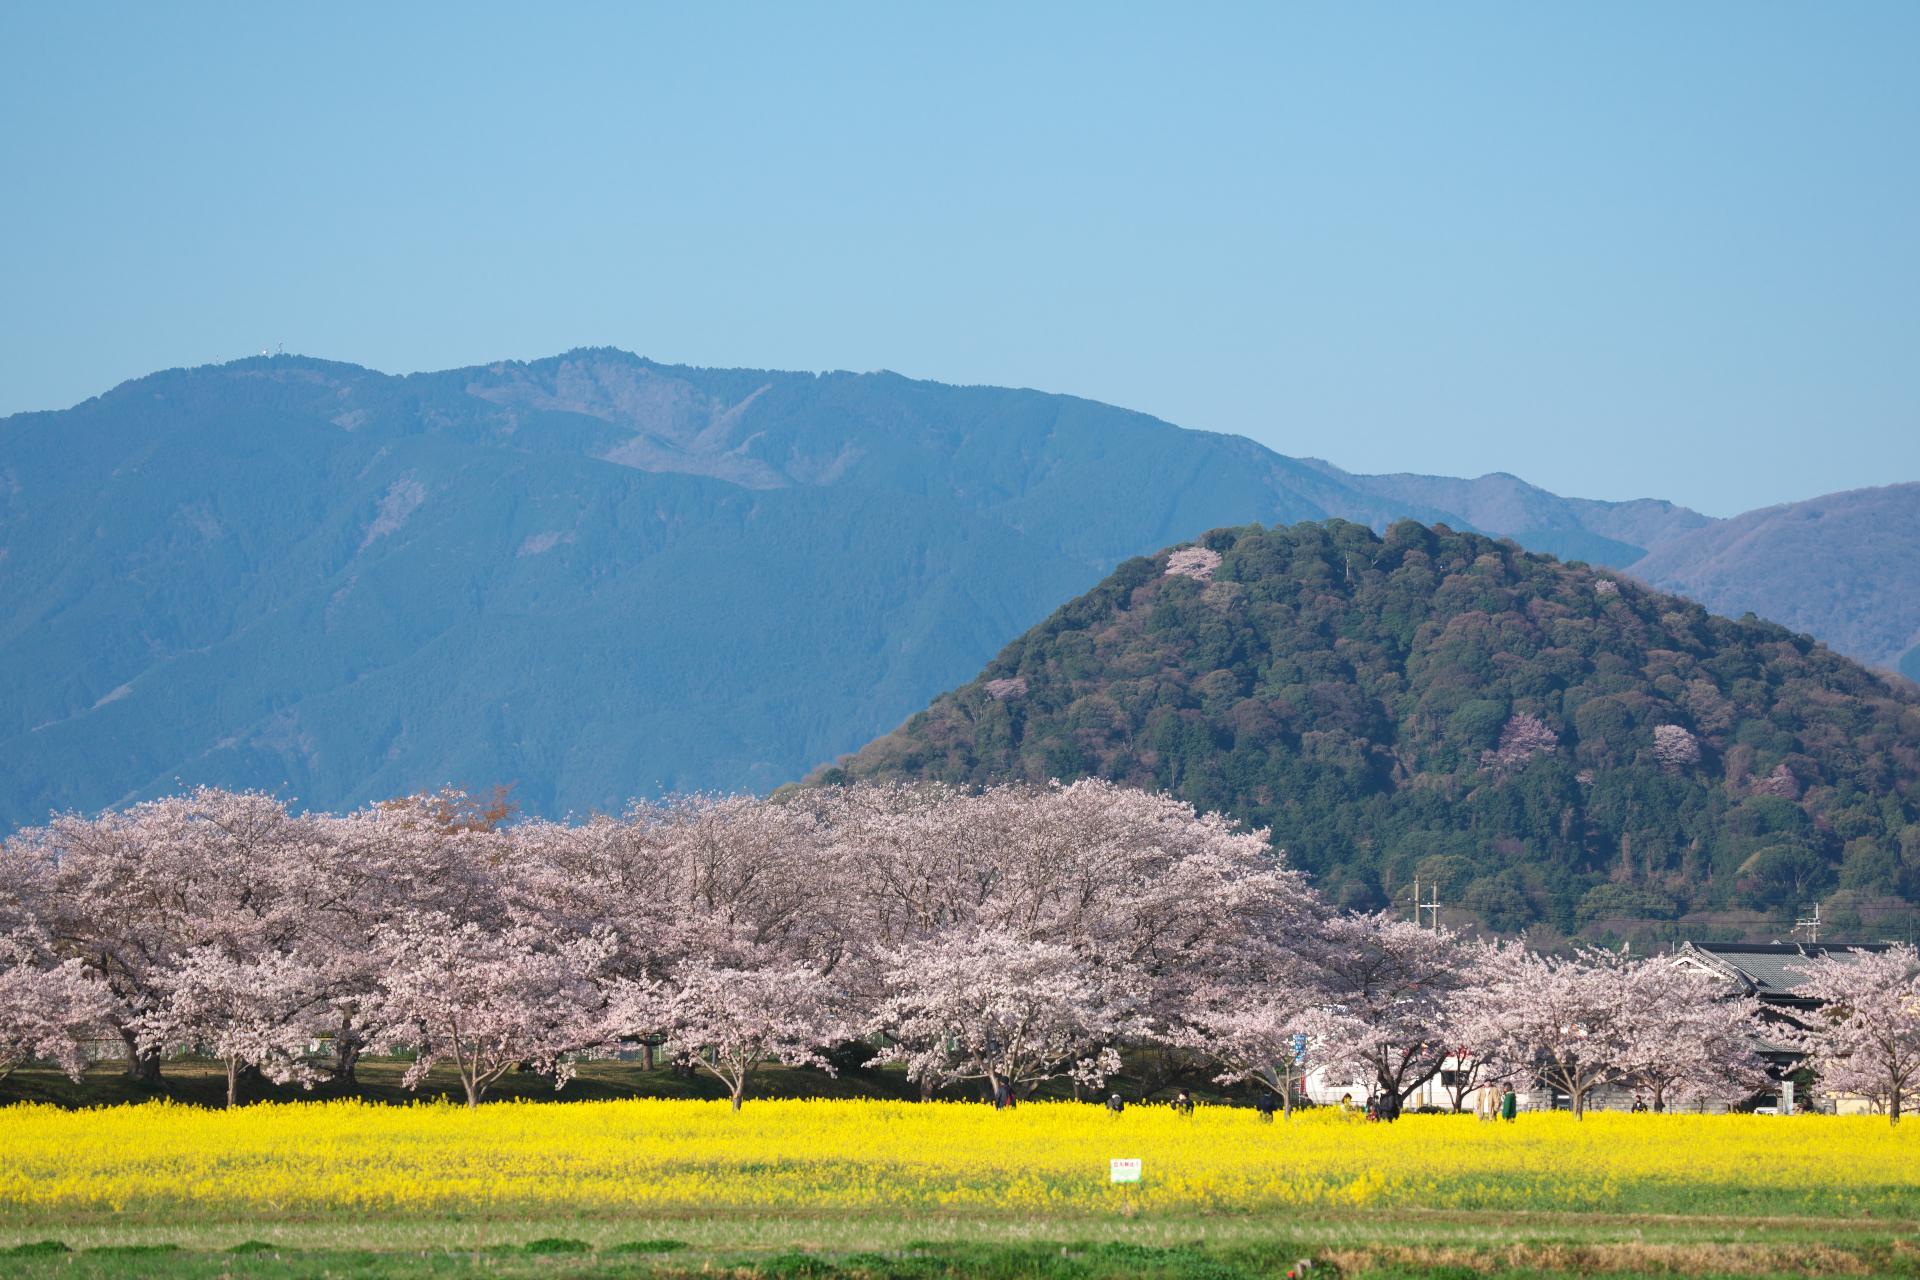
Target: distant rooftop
pixel 1769 969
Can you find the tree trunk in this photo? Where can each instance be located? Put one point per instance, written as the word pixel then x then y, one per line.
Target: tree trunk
pixel 233 1080
pixel 738 1089
pixel 142 1065
pixel 1579 1100
pixel 1388 1093
pixel 346 1055
pixel 646 1055
pixel 472 1086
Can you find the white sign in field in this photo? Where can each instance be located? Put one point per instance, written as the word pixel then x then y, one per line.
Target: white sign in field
pixel 1123 1171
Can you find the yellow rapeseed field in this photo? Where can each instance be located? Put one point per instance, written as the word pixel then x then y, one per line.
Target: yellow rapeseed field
pixel 669 1156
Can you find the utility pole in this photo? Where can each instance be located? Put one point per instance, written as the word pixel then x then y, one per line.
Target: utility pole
pixel 1811 924
pixel 1431 908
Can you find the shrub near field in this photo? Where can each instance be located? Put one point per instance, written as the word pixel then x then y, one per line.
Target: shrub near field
pixel 648 1157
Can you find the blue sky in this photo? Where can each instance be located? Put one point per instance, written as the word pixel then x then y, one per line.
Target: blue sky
pixel 1620 249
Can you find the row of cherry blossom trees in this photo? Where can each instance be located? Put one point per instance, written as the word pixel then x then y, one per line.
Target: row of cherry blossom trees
pixel 1010 936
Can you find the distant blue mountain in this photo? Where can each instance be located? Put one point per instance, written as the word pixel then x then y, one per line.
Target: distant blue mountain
pixel 592 576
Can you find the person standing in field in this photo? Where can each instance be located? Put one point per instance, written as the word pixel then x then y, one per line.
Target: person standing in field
pixel 1183 1103
pixel 1509 1104
pixel 1115 1104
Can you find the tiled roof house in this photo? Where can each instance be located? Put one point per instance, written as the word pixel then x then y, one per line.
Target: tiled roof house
pixel 1767 969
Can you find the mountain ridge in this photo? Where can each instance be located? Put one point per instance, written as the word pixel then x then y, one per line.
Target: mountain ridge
pixel 592 573
pixel 1781 562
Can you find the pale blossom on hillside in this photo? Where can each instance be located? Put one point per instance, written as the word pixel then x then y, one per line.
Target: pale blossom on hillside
pixel 1674 747
pixel 1521 738
pixel 1780 782
pixel 1194 562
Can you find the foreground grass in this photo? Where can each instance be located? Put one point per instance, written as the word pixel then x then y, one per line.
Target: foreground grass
pixel 1383 1246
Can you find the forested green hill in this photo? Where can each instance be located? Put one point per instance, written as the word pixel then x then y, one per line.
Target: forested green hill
pixel 1537 741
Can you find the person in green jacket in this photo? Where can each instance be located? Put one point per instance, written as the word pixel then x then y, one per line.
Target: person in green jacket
pixel 1509 1104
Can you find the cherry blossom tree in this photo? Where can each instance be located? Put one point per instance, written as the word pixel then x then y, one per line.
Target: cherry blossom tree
pixel 1687 1035
pixel 1140 881
pixel 1521 738
pixel 1865 1037
pixel 1386 996
pixel 128 894
pixel 1194 562
pixel 729 1022
pixel 1674 747
pixel 1474 1026
pixel 1250 1037
pixel 996 1007
pixel 435 854
pixel 246 1013
pixel 48 1013
pixel 489 1000
pixel 1471 1070
pixel 1566 1021
pixel 1603 1018
pixel 741 881
pixel 911 860
pixel 1142 890
pixel 49 1008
